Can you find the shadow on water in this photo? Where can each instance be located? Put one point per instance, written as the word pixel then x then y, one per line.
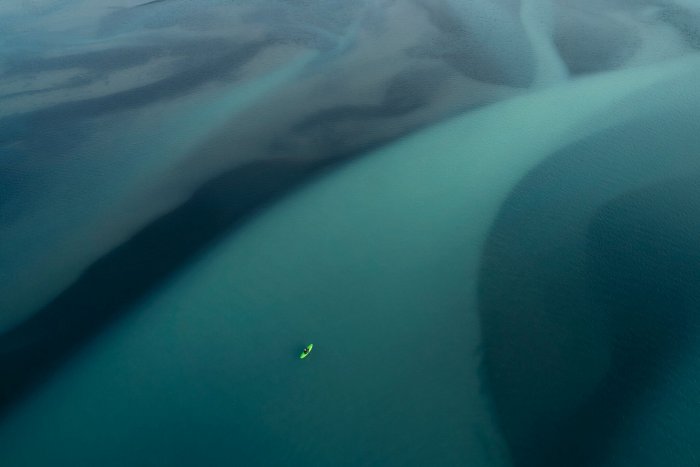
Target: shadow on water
pixel 115 282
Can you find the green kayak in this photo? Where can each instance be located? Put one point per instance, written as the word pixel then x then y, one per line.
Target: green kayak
pixel 306 351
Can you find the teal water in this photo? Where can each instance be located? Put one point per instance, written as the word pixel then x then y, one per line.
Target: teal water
pixel 493 248
pixel 376 264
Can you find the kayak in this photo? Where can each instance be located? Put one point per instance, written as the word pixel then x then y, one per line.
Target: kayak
pixel 309 347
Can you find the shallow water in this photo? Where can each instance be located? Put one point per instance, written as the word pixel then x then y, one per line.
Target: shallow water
pixel 482 214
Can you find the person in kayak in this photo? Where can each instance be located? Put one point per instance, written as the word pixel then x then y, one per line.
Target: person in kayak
pixel 306 351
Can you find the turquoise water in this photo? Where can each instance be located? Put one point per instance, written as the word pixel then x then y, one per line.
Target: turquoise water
pixel 494 255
